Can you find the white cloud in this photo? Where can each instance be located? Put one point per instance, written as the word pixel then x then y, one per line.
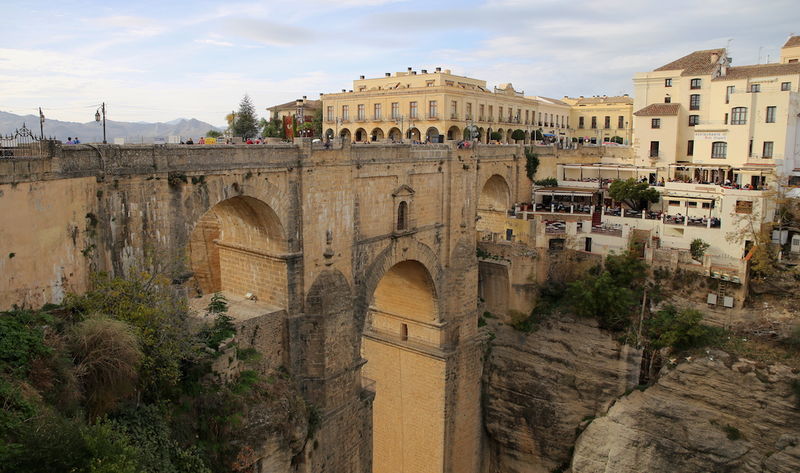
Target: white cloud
pixel 214 42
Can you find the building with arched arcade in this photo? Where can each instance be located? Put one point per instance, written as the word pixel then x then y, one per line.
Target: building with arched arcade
pixel 437 106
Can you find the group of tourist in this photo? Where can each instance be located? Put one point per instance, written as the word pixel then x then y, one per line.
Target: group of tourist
pixel 73 141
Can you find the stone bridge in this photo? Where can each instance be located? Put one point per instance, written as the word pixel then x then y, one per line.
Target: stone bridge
pixel 360 260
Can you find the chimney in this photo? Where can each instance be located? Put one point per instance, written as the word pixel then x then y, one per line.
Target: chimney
pixel 438 69
pixel 388 74
pixel 413 73
pixel 424 71
pixel 409 69
pixel 714 58
pixel 304 97
pixel 344 90
pixel 361 77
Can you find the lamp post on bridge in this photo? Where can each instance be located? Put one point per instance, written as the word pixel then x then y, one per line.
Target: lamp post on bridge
pixel 97 119
pixel 41 123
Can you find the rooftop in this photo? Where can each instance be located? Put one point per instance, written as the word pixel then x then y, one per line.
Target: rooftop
pixel 618 99
pixel 760 70
pixel 792 42
pixel 659 110
pixel 698 62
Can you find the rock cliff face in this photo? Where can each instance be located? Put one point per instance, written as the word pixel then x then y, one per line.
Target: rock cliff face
pixel 710 413
pixel 540 387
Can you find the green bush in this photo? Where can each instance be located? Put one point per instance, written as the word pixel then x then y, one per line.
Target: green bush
pixel 680 329
pixel 547 182
pixel 698 248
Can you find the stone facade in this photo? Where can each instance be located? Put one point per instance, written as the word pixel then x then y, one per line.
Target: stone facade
pixel 309 244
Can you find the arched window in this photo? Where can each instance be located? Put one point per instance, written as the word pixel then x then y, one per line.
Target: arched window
pixel 739 116
pixel 402 215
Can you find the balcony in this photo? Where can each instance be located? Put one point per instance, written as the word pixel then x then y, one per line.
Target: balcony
pixel 481 118
pixel 453 116
pixel 377 118
pixel 432 117
pixel 540 123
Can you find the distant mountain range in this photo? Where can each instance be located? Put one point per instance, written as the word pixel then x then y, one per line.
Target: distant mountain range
pixel 138 132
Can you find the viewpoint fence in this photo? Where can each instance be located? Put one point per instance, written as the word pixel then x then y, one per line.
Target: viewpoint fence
pixel 23 144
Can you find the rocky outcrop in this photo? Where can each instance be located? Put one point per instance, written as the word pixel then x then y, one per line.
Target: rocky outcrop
pixel 709 413
pixel 540 387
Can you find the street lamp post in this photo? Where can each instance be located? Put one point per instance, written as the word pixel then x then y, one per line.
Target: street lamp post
pixel 41 123
pixel 401 120
pixel 97 119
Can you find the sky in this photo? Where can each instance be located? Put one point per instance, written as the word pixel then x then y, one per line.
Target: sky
pixel 162 60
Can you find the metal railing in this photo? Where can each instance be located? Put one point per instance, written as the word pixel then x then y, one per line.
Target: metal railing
pixel 22 144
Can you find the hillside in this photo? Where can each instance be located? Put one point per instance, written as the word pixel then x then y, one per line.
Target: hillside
pixel 93 131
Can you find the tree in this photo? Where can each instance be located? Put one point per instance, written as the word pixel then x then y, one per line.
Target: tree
pixel 531 163
pixel 272 128
pixel 213 133
pixel 698 248
pixel 518 135
pixel 635 194
pixel 246 123
pixel 679 329
pixel 317 123
pixel 496 136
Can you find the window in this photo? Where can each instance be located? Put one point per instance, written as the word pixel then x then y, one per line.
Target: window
pixel 433 111
pixel 694 120
pixel 708 205
pixel 580 122
pixel 690 148
pixel 675 203
pixel 540 118
pixel 750 150
pixel 454 109
pixel 719 149
pixel 725 121
pixel 607 123
pixel 755 88
pixel 360 112
pixel 786 86
pixel 330 113
pixel 480 111
pixel 402 214
pixel 345 112
pixel 469 111
pixel 527 116
pixel 667 82
pixel 768 145
pixel 395 110
pixel 499 114
pixel 655 123
pixel 412 109
pixel 744 207
pixel 510 113
pixel 691 204
pixel 694 102
pixel 654 149
pixel 739 116
pixel 404 332
pixel 491 112
pixel 694 84
pixel 667 99
pixel 770 115
pixel 728 92
pixel 594 122
pixel 378 111
pixel 621 122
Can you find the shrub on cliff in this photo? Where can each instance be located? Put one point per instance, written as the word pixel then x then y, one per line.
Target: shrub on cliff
pixel 680 329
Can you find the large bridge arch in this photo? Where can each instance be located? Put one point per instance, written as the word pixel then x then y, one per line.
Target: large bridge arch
pixel 239 247
pixel 495 194
pixel 402 343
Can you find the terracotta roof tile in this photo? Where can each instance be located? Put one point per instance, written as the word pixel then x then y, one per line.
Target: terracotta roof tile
pixel 698 62
pixel 659 110
pixel 792 42
pixel 310 104
pixel 601 100
pixel 760 70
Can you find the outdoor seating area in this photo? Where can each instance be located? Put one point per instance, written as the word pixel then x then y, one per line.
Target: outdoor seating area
pixel 613 229
pixel 678 219
pixel 554 226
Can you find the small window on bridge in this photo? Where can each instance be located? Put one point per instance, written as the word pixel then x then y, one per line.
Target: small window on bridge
pixel 402 215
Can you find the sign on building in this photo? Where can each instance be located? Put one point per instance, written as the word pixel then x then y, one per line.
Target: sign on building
pixel 711 135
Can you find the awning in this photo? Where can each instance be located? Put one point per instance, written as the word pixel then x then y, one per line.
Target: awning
pixel 577 191
pixel 548 134
pixel 686 197
pixel 606 168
